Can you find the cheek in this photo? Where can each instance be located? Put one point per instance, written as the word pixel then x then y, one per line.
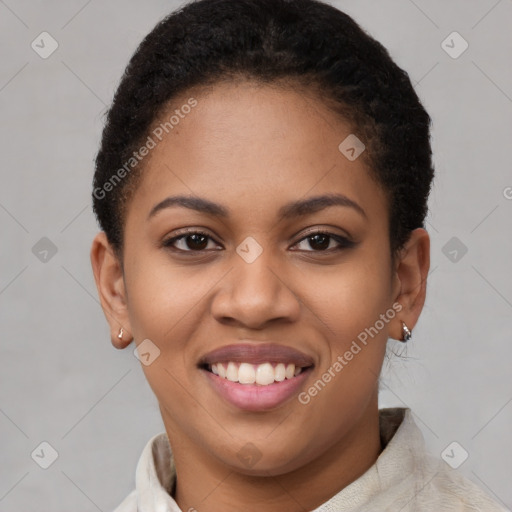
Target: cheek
pixel 164 306
pixel 350 308
pixel 350 302
pixel 351 298
pixel 163 298
pixel 167 304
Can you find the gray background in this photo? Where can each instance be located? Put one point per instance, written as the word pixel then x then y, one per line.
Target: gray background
pixel 61 380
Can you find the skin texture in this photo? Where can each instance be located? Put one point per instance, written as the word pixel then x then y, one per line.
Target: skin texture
pixel 253 148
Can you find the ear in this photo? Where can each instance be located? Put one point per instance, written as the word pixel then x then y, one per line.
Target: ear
pixel 411 271
pixel 108 274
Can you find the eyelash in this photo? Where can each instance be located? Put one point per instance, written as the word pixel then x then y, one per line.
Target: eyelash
pixel 344 243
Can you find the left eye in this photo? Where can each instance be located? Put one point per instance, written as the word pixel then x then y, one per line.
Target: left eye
pixel 325 241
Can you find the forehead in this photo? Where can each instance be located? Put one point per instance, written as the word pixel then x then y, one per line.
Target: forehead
pixel 255 147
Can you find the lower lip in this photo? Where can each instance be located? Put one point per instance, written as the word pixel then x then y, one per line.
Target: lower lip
pixel 252 397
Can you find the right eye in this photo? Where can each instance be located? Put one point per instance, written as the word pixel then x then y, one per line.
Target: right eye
pixel 191 241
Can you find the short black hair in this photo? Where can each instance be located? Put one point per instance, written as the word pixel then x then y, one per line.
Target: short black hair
pixel 303 42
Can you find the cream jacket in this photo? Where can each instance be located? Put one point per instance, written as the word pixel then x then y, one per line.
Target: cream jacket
pixel 404 478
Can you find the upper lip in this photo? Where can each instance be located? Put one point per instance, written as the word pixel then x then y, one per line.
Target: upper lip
pixel 257 354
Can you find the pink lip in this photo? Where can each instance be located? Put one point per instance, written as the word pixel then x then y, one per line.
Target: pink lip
pixel 252 397
pixel 257 353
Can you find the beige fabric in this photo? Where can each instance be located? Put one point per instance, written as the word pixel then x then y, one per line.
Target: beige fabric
pixel 404 478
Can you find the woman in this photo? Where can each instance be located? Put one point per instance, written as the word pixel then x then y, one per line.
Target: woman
pixel 262 186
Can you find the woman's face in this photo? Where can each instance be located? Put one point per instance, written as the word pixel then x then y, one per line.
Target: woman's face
pixel 283 258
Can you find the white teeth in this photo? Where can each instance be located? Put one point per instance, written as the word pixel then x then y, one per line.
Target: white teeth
pixel 246 374
pixel 290 371
pixel 232 372
pixel 280 372
pixel 262 374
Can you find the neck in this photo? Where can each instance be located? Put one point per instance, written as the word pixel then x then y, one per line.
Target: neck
pixel 206 485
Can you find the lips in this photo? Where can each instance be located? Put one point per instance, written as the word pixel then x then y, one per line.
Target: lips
pixel 256 376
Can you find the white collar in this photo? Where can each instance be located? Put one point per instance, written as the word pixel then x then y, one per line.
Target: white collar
pixel 404 477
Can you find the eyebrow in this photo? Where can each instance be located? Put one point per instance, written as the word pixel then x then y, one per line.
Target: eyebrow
pixel 294 209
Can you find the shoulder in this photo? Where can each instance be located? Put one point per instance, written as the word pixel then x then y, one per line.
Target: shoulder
pixel 154 479
pixel 129 504
pixel 411 479
pixel 455 490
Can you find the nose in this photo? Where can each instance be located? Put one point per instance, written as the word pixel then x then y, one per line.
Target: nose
pixel 252 295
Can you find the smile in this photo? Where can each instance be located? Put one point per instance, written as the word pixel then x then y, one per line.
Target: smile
pixel 260 374
pixel 256 376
